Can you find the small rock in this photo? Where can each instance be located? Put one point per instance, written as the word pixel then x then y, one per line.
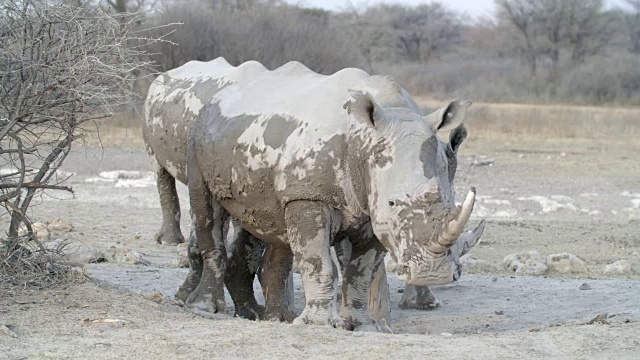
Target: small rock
pixel 155 297
pixel 183 256
pixel 60 225
pixel 76 252
pixel 585 286
pixel 600 318
pixel 499 312
pixel 6 331
pixel 619 267
pixel 124 254
pixel 494 279
pixel 39 229
pixel 526 263
pixel 482 160
pixel 470 263
pixel 565 263
pixel 446 334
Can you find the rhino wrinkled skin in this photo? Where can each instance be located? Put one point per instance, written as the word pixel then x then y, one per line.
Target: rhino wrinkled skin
pixel 302 161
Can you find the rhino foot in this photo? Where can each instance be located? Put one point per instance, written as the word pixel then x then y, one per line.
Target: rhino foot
pixel 366 328
pixel 249 311
pixel 420 298
pixel 193 277
pixel 208 296
pixel 169 237
pixel 279 313
pixel 206 302
pixel 189 285
pixel 316 315
pixel 182 295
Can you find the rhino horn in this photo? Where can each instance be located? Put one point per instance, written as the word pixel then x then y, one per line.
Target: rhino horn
pixel 470 238
pixel 454 228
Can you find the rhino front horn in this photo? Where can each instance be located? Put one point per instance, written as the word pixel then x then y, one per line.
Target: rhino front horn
pixel 454 228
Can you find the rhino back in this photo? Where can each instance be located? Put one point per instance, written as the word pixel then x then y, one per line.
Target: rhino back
pixel 281 136
pixel 174 100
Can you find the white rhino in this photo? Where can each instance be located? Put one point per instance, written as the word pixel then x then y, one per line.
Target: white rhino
pixel 302 160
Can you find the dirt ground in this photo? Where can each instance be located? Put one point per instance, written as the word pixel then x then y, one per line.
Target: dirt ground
pixel 554 196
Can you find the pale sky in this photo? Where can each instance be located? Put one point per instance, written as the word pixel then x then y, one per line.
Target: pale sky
pixel 474 8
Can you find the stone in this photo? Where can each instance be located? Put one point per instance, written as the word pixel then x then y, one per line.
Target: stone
pixel 619 267
pixel 565 263
pixel 76 252
pixel 39 229
pixel 155 297
pixel 585 286
pixel 183 255
pixel 470 263
pixel 126 255
pixel 525 263
pixel 60 225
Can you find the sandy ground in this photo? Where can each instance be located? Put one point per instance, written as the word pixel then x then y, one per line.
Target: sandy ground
pixel 553 196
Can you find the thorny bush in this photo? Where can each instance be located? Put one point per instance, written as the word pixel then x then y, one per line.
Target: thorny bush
pixel 61 68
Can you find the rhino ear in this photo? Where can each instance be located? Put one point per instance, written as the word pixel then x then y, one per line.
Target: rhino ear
pixel 364 108
pixel 456 137
pixel 448 117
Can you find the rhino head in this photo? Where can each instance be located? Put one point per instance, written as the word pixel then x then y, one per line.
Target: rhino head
pixel 410 196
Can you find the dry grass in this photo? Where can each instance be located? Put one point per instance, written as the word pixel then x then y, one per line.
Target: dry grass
pixel 28 263
pixel 489 120
pixel 116 131
pixel 485 120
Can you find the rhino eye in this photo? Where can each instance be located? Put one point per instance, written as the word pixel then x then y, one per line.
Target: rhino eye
pixel 392 203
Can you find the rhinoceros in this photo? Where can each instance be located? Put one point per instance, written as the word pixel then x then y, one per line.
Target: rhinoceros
pixel 175 99
pixel 302 160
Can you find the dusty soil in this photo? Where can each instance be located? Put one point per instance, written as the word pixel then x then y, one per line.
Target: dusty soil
pixel 553 196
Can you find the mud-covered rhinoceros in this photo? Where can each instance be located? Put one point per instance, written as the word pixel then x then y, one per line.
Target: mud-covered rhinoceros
pixel 181 92
pixel 300 160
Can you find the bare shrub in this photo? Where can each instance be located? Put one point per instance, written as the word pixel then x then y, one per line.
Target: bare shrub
pixel 613 79
pixel 61 67
pixel 270 34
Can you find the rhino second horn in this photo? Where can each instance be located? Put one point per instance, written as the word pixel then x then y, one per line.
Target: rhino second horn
pixel 454 228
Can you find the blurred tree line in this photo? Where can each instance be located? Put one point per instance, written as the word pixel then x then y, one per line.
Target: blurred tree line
pixel 574 51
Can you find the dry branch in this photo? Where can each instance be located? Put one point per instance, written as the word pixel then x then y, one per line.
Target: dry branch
pixel 61 66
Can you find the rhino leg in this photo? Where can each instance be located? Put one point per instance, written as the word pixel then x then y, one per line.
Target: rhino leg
pixel 209 220
pixel 360 268
pixel 195 268
pixel 276 278
pixel 310 228
pixel 379 302
pixel 169 233
pixel 241 270
pixel 418 297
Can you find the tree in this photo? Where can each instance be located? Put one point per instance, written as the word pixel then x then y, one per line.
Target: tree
pixel 547 29
pixel 419 33
pixel 61 67
pixel 270 34
pixel 632 24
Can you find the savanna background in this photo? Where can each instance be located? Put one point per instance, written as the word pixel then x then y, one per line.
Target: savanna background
pixel 552 149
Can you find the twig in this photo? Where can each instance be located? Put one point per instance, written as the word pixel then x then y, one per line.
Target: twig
pixel 32 185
